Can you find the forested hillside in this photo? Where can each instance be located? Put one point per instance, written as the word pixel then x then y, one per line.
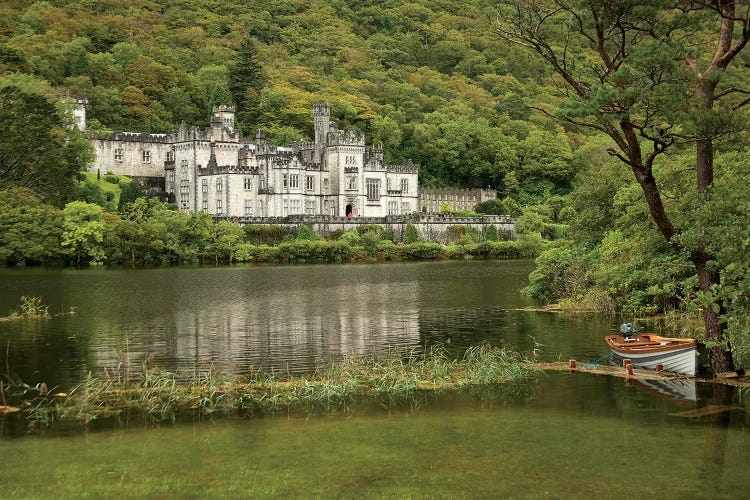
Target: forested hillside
pixel 429 80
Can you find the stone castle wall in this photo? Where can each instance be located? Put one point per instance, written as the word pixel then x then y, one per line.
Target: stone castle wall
pixel 431 227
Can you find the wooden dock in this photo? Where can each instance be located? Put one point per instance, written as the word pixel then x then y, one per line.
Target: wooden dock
pixel 620 372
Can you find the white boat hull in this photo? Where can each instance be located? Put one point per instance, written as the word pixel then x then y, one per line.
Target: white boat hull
pixel 682 361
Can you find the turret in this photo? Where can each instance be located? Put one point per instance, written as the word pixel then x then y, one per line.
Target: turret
pixel 322 118
pixel 226 115
pixel 79 112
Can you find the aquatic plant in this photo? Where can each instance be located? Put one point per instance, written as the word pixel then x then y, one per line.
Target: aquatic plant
pixel 398 379
pixel 30 307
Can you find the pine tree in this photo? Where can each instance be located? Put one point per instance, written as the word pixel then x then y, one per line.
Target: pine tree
pixel 246 80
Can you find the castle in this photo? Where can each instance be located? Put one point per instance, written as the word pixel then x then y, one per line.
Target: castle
pixel 219 171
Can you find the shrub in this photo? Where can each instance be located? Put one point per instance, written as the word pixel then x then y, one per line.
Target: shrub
pixel 455 233
pixel 265 235
pixel 495 250
pixel 411 235
pixel 306 232
pixel 256 253
pixel 386 250
pixel 490 233
pixel 530 223
pixel 456 252
pixel 370 228
pixel 422 250
pixel 370 242
pixel 352 238
pixel 555 231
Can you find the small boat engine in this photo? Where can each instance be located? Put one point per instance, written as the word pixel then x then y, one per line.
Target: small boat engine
pixel 626 330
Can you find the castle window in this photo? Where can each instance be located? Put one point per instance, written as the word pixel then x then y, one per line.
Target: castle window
pixel 351 182
pixel 262 182
pixel 118 155
pixel 248 207
pixel 184 165
pixel 392 208
pixel 285 208
pixel 310 183
pixel 373 189
pixel 248 183
pixel 294 181
pixel 184 194
pixel 170 155
pixel 204 185
pixel 219 186
pixel 146 156
pixel 404 186
pixel 260 208
pixel 405 207
pixel 284 181
pixel 295 207
pixel 218 207
pixel 205 205
pixel 310 207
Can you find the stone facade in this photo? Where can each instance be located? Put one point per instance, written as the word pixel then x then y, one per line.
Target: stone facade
pixel 218 171
pixel 431 200
pixel 431 227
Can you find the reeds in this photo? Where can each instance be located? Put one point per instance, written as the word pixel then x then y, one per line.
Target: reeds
pixel 389 381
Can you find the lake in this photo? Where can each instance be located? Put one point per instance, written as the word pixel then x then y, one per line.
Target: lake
pixel 570 436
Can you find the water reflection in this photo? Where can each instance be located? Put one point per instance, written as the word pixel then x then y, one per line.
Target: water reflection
pixel 281 318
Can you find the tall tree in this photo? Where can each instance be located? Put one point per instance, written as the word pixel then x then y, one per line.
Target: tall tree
pixel 644 75
pixel 38 150
pixel 246 80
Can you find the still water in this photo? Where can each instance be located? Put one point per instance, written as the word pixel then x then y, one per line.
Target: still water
pixel 572 436
pixel 277 318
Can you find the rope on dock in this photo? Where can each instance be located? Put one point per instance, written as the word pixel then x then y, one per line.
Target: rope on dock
pixel 592 365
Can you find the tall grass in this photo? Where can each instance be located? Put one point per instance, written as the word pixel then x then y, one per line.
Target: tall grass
pixel 398 379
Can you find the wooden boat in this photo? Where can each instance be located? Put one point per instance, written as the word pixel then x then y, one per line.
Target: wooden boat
pixel 647 350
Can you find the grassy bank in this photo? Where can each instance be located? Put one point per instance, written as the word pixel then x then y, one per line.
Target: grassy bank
pixel 395 380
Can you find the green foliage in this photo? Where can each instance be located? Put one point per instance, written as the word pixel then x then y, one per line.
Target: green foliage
pixel 39 150
pixel 83 231
pixel 30 230
pixel 411 235
pixel 490 234
pixel 130 192
pixel 530 223
pixel 422 250
pixel 265 235
pixel 307 232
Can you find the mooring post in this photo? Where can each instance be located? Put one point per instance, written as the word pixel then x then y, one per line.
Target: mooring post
pixel 629 369
pixel 572 365
pixel 659 367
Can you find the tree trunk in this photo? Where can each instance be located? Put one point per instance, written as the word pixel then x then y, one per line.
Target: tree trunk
pixel 720 355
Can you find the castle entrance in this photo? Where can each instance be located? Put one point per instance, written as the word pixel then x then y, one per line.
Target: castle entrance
pixel 349 211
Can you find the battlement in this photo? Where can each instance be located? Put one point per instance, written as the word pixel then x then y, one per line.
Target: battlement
pixel 350 137
pixel 138 137
pixel 224 109
pixel 321 109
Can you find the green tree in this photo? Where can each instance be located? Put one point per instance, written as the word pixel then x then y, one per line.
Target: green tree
pixel 225 239
pixel 30 230
pixel 246 80
pixel 83 231
pixel 38 150
pixel 411 235
pixel 647 89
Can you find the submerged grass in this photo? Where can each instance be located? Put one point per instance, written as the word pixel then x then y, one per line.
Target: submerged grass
pixel 390 381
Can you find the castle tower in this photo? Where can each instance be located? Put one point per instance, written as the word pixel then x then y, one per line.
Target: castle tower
pixel 79 112
pixel 322 119
pixel 226 115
